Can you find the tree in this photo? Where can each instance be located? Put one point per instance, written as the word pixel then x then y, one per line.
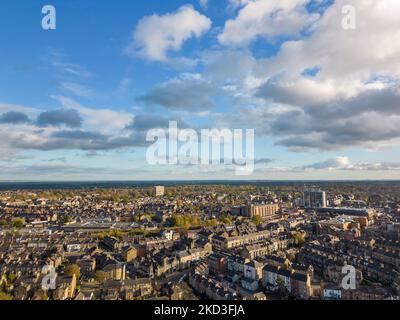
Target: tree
pixel 225 218
pixel 185 221
pixel 299 239
pixel 100 276
pixel 257 220
pixel 211 223
pixel 18 223
pixel 64 219
pixel 282 289
pixel 12 277
pixel 73 269
pixel 44 296
pixel 5 296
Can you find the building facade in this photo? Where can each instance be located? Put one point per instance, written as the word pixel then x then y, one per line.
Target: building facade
pixel 314 198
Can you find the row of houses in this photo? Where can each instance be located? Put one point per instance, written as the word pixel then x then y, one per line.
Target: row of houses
pixel 295 282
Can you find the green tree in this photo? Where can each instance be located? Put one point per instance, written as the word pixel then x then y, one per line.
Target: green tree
pixel 211 223
pixel 12 277
pixel 3 223
pixel 64 219
pixel 73 269
pixel 299 239
pixel 257 220
pixel 18 223
pixel 225 218
pixel 5 296
pixel 185 221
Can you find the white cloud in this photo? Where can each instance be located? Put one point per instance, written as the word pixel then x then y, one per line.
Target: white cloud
pixel 267 19
pixel 107 120
pixel 347 59
pixel 75 127
pixel 155 35
pixel 222 65
pixel 189 92
pixel 330 164
pixel 332 89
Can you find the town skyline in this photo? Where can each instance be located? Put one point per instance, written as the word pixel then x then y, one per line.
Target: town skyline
pixel 228 242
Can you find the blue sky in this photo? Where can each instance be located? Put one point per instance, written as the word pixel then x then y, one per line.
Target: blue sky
pixel 76 102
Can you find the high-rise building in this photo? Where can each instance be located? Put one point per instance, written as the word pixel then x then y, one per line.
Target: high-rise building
pixel 314 198
pixel 159 191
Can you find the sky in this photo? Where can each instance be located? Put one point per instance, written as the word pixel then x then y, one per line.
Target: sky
pixel 77 102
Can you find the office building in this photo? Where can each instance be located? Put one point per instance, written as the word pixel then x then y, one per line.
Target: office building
pixel 314 198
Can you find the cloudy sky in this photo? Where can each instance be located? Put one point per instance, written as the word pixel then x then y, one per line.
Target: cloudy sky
pixel 76 102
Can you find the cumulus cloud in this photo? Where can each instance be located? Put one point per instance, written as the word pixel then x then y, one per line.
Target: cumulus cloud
pixel 58 130
pixel 74 140
pixel 14 117
pixel 188 92
pixel 345 58
pixel 299 92
pixel 108 119
pixel 67 117
pixel 367 120
pixel 156 35
pixel 79 135
pixel 228 66
pixel 266 19
pixel 329 89
pixel 67 129
pixel 145 122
